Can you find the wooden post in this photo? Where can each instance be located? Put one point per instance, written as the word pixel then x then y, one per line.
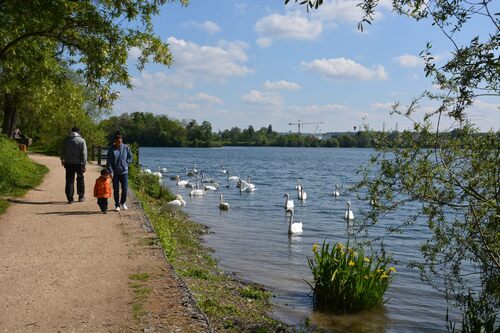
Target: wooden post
pixel 92 156
pixel 98 155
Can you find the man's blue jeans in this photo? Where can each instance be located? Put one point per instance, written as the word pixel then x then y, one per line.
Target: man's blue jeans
pixel 117 180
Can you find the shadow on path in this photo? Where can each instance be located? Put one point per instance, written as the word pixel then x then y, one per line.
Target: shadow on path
pixel 82 212
pixel 25 202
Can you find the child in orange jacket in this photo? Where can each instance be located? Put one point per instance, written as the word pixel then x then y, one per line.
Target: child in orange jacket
pixel 102 190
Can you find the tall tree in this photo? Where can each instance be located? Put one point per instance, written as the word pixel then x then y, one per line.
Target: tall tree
pixel 93 35
pixel 457 181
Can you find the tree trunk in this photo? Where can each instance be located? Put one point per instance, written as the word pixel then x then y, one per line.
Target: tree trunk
pixel 10 114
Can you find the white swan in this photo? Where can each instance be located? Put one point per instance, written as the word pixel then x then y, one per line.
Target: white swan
pixel 206 180
pixel 197 192
pixel 302 194
pixel 176 204
pixel 336 192
pixel 288 204
pixel 213 187
pixel 246 187
pixel 146 170
pixel 298 187
pixel 163 170
pixel 158 174
pixel 232 178
pixel 181 183
pixel 223 205
pixel 348 214
pixel 294 227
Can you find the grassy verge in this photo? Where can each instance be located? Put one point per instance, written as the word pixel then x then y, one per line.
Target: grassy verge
pixel 231 305
pixel 18 173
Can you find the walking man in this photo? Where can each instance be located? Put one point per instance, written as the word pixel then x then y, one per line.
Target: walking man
pixel 118 159
pixel 74 159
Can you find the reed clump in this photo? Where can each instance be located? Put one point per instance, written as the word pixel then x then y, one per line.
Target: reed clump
pixel 345 280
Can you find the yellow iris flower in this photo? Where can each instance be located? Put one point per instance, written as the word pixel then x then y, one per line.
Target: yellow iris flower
pixel 351 263
pixel 315 247
pixel 392 269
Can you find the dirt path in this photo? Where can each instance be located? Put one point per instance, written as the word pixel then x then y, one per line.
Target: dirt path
pixel 69 268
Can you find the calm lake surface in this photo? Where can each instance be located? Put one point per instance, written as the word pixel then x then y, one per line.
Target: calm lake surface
pixel 251 239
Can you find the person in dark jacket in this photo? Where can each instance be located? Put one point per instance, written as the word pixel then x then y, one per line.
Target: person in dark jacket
pixel 118 159
pixel 74 159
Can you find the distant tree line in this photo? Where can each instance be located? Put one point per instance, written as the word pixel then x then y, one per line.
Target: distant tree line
pixel 150 130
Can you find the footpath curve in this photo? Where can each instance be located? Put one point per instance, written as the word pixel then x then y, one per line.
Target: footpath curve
pixel 69 268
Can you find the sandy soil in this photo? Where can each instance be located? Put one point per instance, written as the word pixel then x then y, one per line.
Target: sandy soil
pixel 67 268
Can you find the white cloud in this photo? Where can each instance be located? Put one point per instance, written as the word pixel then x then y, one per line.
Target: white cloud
pixel 206 98
pixel 188 106
pixel 281 85
pixel 408 60
pixel 262 98
pixel 482 105
pixel 212 62
pixel 209 27
pixel 382 106
pixel 342 68
pixel 289 26
pixel 134 52
pixel 339 11
pixel 264 42
pixel 241 7
pixel 319 108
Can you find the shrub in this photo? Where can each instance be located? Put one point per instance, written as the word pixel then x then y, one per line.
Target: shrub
pixel 150 185
pixel 17 172
pixel 347 281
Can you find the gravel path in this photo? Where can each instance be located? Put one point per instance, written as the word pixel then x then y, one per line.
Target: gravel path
pixel 68 267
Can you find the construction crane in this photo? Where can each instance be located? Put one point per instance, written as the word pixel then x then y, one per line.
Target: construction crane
pixel 301 124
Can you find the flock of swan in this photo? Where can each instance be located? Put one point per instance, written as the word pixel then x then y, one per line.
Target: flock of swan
pixel 209 184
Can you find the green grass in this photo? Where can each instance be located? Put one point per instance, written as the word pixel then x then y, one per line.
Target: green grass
pixel 230 305
pixel 18 173
pixel 141 293
pixel 4 204
pixel 345 280
pixel 142 276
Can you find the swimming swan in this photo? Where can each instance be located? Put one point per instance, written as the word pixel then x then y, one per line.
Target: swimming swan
pixel 176 204
pixel 288 204
pixel 298 187
pixel 246 187
pixel 223 205
pixel 213 187
pixel 348 214
pixel 294 227
pixel 181 183
pixel 302 194
pixel 232 178
pixel 336 192
pixel 197 192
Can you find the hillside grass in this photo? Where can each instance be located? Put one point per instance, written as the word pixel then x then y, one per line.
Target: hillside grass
pixel 18 173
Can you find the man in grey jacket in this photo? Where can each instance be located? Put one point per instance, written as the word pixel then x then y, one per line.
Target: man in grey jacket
pixel 74 159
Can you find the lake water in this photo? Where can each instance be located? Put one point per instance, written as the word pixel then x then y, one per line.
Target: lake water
pixel 251 239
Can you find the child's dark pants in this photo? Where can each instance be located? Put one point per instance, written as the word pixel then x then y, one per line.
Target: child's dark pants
pixel 103 204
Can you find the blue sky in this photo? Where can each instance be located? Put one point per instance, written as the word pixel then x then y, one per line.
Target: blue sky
pixel 240 63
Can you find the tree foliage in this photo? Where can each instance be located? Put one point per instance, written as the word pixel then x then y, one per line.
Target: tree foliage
pixel 93 37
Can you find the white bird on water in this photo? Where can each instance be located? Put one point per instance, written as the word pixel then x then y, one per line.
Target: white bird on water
pixel 176 204
pixel 298 187
pixel 232 178
pixel 288 204
pixel 223 205
pixel 294 227
pixel 302 194
pixel 336 192
pixel 348 214
pixel 181 183
pixel 146 170
pixel 212 187
pixel 197 192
